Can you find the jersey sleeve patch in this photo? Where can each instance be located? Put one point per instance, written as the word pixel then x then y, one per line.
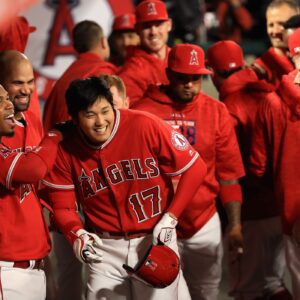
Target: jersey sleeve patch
pixel 179 141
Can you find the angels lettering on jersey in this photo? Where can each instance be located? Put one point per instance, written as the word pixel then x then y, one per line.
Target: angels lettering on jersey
pixel 93 181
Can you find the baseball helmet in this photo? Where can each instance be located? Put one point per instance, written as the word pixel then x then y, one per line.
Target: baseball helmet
pixel 159 267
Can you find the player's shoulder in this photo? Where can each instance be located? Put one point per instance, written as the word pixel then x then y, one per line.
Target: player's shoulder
pixel 211 101
pixel 138 117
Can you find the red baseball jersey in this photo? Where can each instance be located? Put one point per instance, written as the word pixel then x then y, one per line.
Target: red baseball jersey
pixel 124 185
pixel 28 134
pixel 140 70
pixel 275 65
pixel 206 124
pixel 87 64
pixel 277 143
pixel 24 234
pixel 242 93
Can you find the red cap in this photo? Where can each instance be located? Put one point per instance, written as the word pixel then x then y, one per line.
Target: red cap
pixel 124 22
pixel 16 36
pixel 294 42
pixel 187 59
pixel 151 10
pixel 225 55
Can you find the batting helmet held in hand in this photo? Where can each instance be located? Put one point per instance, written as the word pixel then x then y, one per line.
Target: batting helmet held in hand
pixel 159 268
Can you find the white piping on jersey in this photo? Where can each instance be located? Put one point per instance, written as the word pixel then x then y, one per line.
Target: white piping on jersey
pixel 11 168
pixel 58 186
pixel 185 167
pixel 114 129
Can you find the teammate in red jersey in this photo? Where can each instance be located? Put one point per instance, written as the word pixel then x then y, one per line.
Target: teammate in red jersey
pixel 275 62
pixel 146 64
pixel 93 49
pixel 122 37
pixel 277 144
pixel 118 164
pixel 205 122
pixel 24 236
pixel 259 272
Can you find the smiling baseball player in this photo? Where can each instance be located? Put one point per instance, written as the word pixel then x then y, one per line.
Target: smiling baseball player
pixel 118 164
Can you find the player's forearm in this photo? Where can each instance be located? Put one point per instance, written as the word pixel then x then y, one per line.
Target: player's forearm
pixel 34 165
pixel 68 221
pixel 188 185
pixel 233 212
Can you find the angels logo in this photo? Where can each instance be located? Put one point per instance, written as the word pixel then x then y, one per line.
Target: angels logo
pixel 25 190
pixel 194 58
pixel 5 152
pixel 179 141
pixel 50 46
pixel 151 264
pixel 86 188
pixel 151 9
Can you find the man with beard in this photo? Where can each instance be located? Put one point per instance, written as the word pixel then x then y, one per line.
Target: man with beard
pixel 275 61
pixel 17 78
pixel 147 62
pixel 205 122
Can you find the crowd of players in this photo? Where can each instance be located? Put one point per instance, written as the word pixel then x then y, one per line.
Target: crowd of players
pixel 132 153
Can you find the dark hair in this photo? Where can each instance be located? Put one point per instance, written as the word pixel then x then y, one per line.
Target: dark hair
pixel 82 93
pixel 86 35
pixel 292 23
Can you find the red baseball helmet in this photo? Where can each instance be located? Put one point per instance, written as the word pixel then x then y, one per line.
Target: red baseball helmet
pixel 159 268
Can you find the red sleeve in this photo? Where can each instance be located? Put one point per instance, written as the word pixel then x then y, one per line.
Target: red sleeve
pixel 188 184
pixel 229 163
pixel 60 192
pixel 32 166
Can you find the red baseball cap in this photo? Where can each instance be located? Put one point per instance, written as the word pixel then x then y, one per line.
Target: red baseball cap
pixel 187 59
pixel 294 42
pixel 225 55
pixel 151 10
pixel 124 22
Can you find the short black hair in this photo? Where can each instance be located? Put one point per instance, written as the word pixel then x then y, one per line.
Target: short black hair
pixel 86 35
pixel 292 23
pixel 82 93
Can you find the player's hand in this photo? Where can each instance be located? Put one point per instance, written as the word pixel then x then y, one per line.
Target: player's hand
pixel 296 233
pixel 164 228
pixel 63 127
pixel 87 247
pixel 235 242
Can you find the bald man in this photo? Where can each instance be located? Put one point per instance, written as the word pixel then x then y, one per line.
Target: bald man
pixel 17 78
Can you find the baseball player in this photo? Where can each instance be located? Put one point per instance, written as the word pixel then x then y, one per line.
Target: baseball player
pixel 205 122
pixel 275 61
pixel 147 63
pixel 93 49
pixel 118 164
pixel 276 136
pixel 24 235
pixel 71 273
pixel 15 37
pixel 123 35
pixel 259 271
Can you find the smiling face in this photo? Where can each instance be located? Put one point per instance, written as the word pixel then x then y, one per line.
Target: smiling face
pixel 276 17
pixel 7 122
pixel 154 36
pixel 19 84
pixel 97 121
